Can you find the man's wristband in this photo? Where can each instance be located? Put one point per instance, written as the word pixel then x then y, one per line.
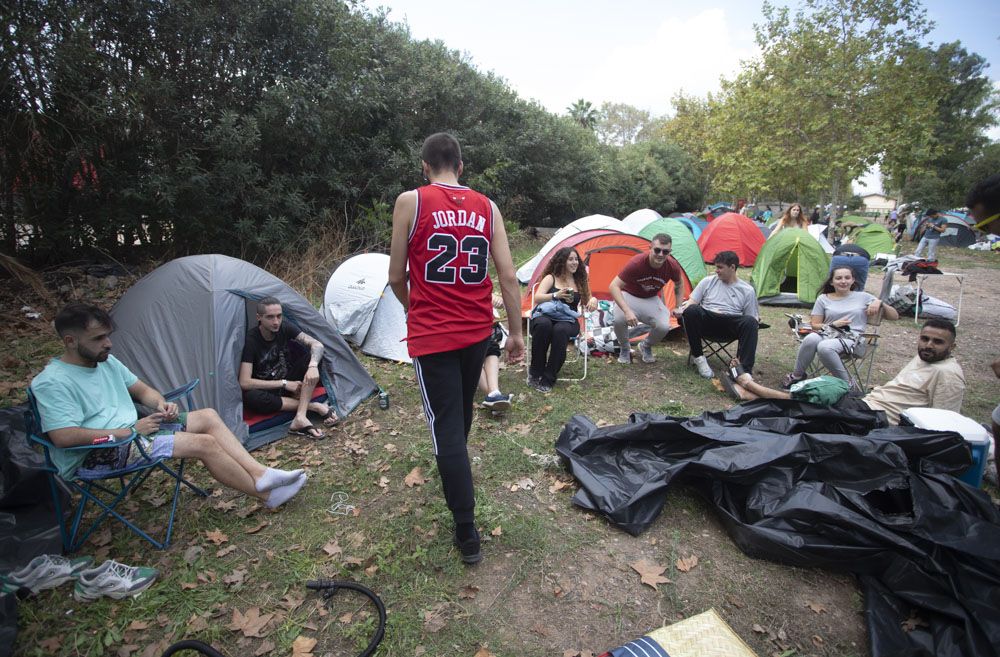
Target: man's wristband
pixel 284 383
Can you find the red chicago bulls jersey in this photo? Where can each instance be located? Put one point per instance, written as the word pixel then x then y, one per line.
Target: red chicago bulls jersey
pixel 448 256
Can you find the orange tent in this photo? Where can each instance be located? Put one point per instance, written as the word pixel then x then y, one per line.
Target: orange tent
pixel 604 252
pixel 732 232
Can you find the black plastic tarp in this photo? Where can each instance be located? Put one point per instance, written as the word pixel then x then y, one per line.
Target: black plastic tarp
pixel 811 486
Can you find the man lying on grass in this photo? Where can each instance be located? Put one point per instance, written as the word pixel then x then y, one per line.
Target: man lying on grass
pixel 932 379
pixel 86 397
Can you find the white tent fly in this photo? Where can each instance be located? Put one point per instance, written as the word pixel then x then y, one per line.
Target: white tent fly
pixel 819 232
pixel 639 219
pixel 592 222
pixel 359 303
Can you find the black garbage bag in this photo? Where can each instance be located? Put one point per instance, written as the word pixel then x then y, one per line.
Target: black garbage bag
pixel 874 500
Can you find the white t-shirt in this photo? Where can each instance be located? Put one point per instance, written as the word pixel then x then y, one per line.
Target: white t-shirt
pixel 921 384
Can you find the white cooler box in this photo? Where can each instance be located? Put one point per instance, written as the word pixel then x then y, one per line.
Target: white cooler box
pixel 974 433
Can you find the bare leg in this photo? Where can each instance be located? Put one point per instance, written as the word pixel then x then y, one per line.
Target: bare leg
pixel 223 467
pixel 207 421
pixel 746 384
pixel 489 378
pixel 302 405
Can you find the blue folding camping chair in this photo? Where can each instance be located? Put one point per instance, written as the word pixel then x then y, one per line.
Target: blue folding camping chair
pixel 107 489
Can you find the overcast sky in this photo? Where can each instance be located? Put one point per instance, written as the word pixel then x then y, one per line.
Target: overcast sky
pixel 639 52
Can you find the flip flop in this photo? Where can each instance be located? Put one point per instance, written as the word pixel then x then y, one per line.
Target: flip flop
pixel 331 419
pixel 727 384
pixel 308 432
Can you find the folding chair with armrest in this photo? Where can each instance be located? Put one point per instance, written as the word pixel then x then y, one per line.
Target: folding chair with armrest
pixel 578 344
pixel 99 487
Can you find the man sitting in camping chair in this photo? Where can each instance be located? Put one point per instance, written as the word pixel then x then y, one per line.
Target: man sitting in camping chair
pixel 932 379
pixel 273 379
pixel 85 397
pixel 722 307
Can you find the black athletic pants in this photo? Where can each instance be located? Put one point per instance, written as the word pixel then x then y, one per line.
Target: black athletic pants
pixel 699 323
pixel 447 383
pixel 548 347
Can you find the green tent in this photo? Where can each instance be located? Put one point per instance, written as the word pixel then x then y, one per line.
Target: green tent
pixel 854 219
pixel 874 238
pixel 685 248
pixel 791 261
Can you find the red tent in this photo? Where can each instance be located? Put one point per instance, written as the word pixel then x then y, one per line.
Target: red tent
pixel 732 232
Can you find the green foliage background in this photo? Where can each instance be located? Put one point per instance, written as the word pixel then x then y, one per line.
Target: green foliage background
pixel 230 126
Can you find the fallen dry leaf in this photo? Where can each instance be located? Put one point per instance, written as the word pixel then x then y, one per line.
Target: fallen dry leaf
pixel 758 629
pixel 265 647
pixel 235 578
pixel 415 478
pixel 483 652
pixel 302 646
pixel 497 531
pixel 718 385
pixel 913 622
pixel 817 640
pixel 816 607
pixel 126 650
pixel 226 550
pixel 51 645
pixel 434 618
pixel 346 618
pixel 333 548
pixel 383 482
pixel 262 525
pixel 687 563
pixel 650 573
pixel 251 624
pixel 225 505
pixel 468 592
pixel 138 625
pixel 216 536
pixel 558 485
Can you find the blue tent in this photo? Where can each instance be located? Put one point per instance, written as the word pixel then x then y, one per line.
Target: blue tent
pixel 694 224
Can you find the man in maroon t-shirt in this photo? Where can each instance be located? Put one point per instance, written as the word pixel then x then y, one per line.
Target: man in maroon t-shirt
pixel 636 291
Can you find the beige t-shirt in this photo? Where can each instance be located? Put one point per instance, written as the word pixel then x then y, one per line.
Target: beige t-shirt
pixel 920 384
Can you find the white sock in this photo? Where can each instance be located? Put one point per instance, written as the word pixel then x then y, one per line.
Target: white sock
pixel 282 494
pixel 495 392
pixel 273 477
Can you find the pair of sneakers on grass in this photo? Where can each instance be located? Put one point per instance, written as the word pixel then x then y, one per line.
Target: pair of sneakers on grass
pixel 113 579
pixel 645 351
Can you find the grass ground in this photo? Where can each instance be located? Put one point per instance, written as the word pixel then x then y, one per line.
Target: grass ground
pixel 554 581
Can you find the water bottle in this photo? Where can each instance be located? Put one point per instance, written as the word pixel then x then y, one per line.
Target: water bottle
pixel 383 400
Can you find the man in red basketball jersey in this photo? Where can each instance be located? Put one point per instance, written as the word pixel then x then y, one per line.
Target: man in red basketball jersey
pixel 444 234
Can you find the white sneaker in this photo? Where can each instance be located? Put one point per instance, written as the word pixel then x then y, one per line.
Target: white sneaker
pixel 47 572
pixel 625 356
pixel 647 352
pixel 701 363
pixel 113 579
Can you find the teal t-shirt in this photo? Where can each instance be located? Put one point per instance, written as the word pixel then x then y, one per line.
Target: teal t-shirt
pixel 88 397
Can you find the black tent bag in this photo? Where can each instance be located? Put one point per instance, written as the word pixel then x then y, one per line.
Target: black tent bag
pixel 812 486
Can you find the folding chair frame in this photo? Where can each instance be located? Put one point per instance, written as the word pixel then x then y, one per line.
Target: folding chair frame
pixel 92 488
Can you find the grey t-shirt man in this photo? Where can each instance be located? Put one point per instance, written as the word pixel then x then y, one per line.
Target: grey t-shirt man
pixel 938 221
pixel 736 298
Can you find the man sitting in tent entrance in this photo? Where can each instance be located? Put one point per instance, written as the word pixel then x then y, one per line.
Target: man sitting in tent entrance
pixel 273 379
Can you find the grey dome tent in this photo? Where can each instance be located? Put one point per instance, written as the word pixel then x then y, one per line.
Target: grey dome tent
pixel 188 319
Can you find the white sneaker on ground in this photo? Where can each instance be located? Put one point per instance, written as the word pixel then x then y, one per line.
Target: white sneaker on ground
pixel 625 356
pixel 701 364
pixel 647 352
pixel 47 572
pixel 115 580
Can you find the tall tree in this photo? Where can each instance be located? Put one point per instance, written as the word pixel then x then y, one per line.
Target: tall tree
pixel 619 124
pixel 583 112
pixel 836 85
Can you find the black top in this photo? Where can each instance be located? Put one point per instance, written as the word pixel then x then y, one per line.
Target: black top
pixel 574 304
pixel 270 359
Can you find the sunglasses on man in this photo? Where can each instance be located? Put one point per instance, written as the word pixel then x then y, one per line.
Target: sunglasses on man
pixel 659 251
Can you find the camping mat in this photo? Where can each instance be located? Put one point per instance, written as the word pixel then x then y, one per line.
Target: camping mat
pixel 810 486
pixel 704 635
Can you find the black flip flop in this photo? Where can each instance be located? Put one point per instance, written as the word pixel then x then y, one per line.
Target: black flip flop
pixel 307 432
pixel 727 384
pixel 331 415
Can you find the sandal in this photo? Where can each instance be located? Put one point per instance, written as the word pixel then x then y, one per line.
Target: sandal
pixel 791 379
pixel 308 431
pixel 331 419
pixel 727 383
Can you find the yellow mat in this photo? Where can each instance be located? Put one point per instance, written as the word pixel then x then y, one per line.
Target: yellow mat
pixel 704 635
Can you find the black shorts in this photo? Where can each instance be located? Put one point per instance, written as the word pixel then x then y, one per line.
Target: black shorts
pixel 269 401
pixel 493 348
